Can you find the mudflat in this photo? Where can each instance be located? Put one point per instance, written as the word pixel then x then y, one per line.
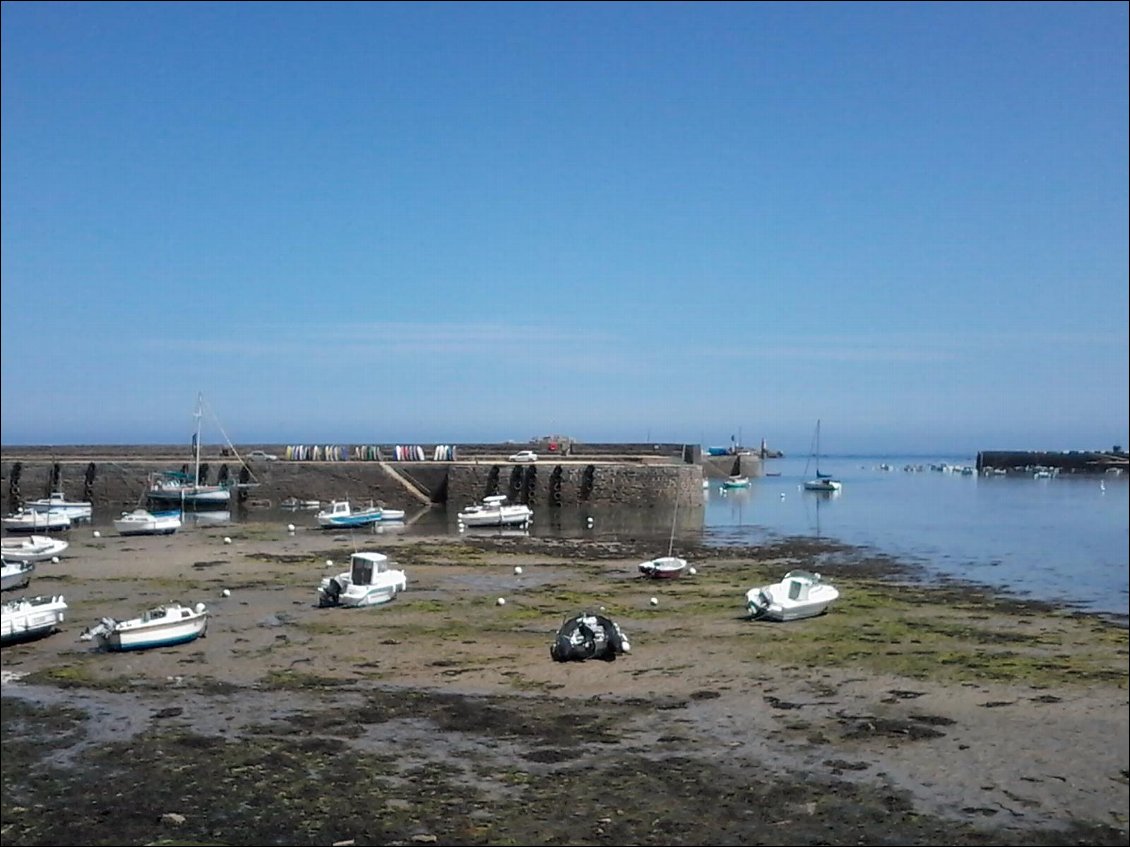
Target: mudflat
pixel 908 714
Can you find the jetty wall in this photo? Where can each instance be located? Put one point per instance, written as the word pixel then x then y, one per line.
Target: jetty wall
pixel 118 482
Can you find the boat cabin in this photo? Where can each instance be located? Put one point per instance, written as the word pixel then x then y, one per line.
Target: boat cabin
pixel 362 567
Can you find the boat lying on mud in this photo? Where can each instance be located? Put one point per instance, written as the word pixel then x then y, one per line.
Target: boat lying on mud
pixel 29 618
pixel 370 581
pixel 16 575
pixel 32 548
pixel 161 626
pixel 801 594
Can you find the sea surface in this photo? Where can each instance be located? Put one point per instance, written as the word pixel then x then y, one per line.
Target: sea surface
pixel 1063 540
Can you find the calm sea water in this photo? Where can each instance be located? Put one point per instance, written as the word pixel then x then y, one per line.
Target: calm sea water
pixel 1064 539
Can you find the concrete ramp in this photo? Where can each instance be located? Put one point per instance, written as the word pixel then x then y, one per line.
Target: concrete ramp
pixel 408 484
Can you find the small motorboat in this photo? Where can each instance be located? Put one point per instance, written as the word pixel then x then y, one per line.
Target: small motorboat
pixel 368 582
pixel 737 481
pixel 496 511
pixel 801 594
pixel 587 635
pixel 15 575
pixel 161 626
pixel 32 548
pixel 341 514
pixel 145 522
pixel 31 617
pixel 30 520
pixel 56 501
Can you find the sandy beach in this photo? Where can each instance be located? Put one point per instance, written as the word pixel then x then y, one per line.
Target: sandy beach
pixel 908 714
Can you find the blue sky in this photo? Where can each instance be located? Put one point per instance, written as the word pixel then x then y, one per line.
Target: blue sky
pixel 443 223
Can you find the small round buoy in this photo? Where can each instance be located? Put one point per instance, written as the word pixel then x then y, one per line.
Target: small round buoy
pixel 54 560
pixel 654 601
pixel 227 539
pixel 226 592
pixel 692 571
pixel 502 601
pixel 97 534
pixel 329 563
pixel 517 569
pixel 290 527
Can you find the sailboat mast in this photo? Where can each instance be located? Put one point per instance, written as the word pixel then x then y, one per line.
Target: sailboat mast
pixel 196 443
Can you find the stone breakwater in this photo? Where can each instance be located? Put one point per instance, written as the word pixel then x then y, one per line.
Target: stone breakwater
pixel 116 478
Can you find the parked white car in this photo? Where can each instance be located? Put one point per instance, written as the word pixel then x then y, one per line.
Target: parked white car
pixel 261 456
pixel 524 456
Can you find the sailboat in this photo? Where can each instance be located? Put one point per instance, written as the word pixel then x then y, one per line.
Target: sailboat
pixel 822 481
pixel 669 566
pixel 185 490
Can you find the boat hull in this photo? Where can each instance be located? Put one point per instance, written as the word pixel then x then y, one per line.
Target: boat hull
pixel 32 522
pixel 16 575
pixel 141 522
pixel 164 626
pixel 665 567
pixel 799 595
pixel 28 619
pixel 33 548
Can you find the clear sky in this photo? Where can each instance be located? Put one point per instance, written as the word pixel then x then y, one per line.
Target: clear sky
pixel 442 223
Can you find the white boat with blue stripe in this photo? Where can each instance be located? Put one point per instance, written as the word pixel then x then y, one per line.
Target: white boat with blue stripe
pixel 161 626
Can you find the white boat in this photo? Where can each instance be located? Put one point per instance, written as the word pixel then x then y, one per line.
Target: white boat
pixel 26 520
pixel 161 626
pixel 801 594
pixel 56 501
pixel 737 481
pixel 341 514
pixel 664 567
pixel 370 581
pixel 294 504
pixel 31 617
pixel 144 522
pixel 15 575
pixel 32 548
pixel 669 566
pixel 495 511
pixel 822 481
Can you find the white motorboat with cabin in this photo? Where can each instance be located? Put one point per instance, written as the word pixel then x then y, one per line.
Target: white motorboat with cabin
pixel 29 618
pixel 27 520
pixel 496 511
pixel 801 594
pixel 161 626
pixel 56 501
pixel 144 522
pixel 370 581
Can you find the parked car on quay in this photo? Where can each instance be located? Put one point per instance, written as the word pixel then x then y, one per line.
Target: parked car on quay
pixel 524 456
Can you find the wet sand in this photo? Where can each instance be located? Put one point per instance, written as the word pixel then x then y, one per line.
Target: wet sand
pixel 908 714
